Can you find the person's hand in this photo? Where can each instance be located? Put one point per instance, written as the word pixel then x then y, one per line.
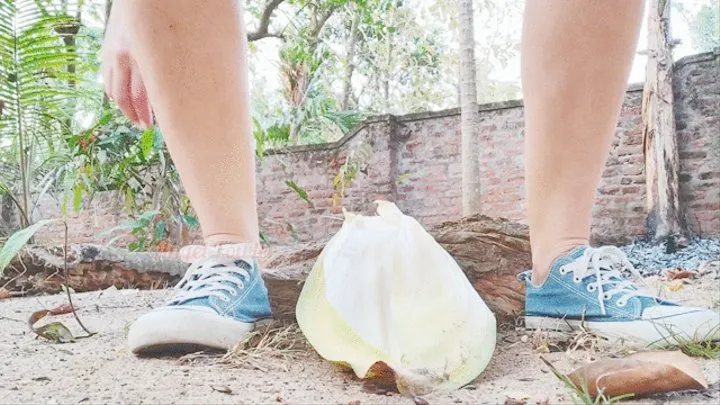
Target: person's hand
pixel 121 75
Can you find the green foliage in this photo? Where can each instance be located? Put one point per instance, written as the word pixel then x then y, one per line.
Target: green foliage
pixel 40 73
pixel 703 22
pixel 299 191
pixel 148 230
pixel 17 241
pixel 705 34
pixel 354 164
pixel 699 346
pixel 704 349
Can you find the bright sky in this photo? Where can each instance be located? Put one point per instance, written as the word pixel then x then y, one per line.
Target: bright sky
pixel 637 75
pixel 265 60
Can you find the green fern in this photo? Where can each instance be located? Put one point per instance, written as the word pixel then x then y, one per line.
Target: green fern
pixel 38 91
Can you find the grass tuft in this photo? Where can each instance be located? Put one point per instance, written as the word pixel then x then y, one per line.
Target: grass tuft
pixel 702 349
pixel 581 395
pixel 278 340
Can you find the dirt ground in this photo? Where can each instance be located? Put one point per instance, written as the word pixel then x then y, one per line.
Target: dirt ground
pixel 100 369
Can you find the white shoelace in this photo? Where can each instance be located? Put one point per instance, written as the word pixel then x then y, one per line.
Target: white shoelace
pixel 212 276
pixel 606 264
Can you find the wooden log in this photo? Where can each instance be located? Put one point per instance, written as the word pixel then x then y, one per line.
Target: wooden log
pixel 490 251
pixel 662 163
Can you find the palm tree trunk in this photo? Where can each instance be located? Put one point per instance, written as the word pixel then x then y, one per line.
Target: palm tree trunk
pixel 469 111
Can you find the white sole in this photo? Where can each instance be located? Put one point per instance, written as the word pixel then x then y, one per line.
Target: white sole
pixel 668 331
pixel 184 330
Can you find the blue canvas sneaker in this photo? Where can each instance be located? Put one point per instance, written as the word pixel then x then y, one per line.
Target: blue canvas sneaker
pixel 216 304
pixel 587 287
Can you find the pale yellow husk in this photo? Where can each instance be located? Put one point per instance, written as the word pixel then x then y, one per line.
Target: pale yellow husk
pixel 400 290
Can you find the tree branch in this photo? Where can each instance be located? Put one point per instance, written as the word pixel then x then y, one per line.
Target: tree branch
pixel 262 31
pixel 323 19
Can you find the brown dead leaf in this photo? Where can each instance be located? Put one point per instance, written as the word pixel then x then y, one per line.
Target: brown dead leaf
pixel 641 374
pixel 36 316
pixel 514 401
pixel 680 274
pixel 164 246
pixel 380 379
pixel 4 293
pixel 62 310
pixel 55 331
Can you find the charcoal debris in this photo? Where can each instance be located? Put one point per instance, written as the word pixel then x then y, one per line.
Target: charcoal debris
pixel 651 258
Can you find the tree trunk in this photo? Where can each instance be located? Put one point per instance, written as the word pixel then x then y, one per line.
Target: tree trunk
pixel 659 136
pixel 387 69
pixel 108 9
pixel 304 73
pixel 469 111
pixel 491 252
pixel 350 63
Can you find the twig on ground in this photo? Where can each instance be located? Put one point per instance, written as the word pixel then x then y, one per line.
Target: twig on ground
pixel 11 319
pixel 18 275
pixel 67 285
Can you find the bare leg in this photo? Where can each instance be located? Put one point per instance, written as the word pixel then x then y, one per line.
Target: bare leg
pixel 195 70
pixel 576 61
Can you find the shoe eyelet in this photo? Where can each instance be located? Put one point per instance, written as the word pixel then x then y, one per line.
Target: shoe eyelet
pixel 621 303
pixel 606 297
pixel 563 271
pixel 233 293
pixel 226 298
pixel 591 287
pixel 577 280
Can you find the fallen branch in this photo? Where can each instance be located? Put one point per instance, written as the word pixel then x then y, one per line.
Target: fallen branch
pixel 490 251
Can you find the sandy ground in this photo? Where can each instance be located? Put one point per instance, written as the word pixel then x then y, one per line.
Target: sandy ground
pixel 100 369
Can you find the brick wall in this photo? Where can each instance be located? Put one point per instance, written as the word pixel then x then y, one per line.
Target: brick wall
pixel 415 161
pixel 697 117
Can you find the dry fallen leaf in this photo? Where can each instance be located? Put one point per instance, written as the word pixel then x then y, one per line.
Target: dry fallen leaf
pixel 56 331
pixel 4 293
pixel 680 274
pixel 675 285
pixel 641 374
pixel 62 309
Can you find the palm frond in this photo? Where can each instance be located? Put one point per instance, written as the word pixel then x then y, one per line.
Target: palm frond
pixel 40 87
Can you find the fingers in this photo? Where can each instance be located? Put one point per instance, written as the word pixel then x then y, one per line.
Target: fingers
pixel 124 84
pixel 121 87
pixel 139 99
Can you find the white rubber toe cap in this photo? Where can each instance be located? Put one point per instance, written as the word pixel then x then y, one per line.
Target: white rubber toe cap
pixel 177 328
pixel 687 323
